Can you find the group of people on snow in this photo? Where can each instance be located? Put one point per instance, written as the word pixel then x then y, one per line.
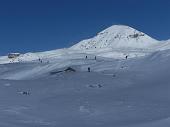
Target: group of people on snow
pixel 41 61
pixel 89 69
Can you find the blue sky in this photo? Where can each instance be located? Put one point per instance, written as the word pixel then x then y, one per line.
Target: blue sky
pixel 40 25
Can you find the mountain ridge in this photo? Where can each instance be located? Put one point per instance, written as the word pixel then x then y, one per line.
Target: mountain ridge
pixel 117 36
pixel 116 42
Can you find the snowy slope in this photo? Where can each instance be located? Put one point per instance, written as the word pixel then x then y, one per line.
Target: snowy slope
pixel 162 45
pixel 117 92
pixel 116 42
pixel 35 91
pixel 117 36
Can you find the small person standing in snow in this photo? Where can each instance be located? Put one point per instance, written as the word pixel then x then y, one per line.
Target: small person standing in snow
pixel 86 57
pixel 40 60
pixel 88 69
pixel 126 57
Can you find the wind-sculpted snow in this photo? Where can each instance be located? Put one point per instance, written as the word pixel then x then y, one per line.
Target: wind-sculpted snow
pixel 131 92
pixel 101 87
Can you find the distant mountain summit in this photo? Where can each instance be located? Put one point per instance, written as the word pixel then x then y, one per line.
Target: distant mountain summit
pixel 117 36
pixel 117 41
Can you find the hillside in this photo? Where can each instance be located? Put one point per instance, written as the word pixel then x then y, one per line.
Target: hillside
pixel 117 36
pixel 121 82
pixel 116 42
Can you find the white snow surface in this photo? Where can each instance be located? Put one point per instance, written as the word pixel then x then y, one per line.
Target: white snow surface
pixel 117 36
pixel 35 91
pixel 116 41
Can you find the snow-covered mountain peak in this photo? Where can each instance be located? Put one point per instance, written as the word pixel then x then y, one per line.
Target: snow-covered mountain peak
pixel 117 36
pixel 121 29
pixel 116 42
